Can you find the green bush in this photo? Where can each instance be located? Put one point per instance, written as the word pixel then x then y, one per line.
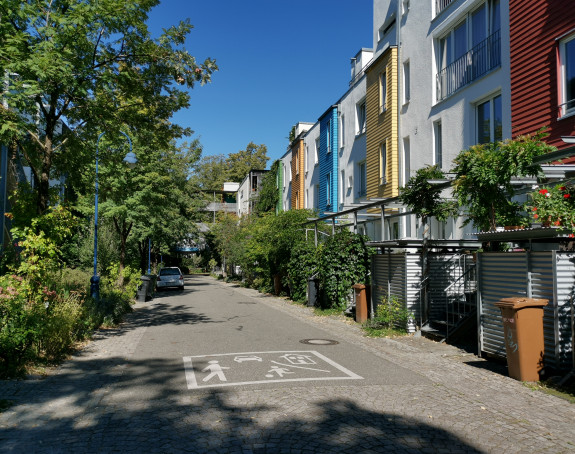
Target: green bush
pixel 390 313
pixel 302 265
pixel 344 259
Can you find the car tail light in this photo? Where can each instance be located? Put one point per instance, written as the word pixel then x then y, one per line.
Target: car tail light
pixel 181 276
pixel 159 278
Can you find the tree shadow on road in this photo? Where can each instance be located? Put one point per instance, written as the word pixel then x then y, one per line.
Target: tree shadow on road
pixel 104 405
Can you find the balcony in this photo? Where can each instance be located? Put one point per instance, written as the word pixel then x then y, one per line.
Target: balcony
pixel 477 62
pixel 440 5
pixel 227 207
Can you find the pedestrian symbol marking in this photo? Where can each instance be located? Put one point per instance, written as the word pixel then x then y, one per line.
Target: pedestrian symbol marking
pixel 234 369
pixel 215 371
pixel 281 371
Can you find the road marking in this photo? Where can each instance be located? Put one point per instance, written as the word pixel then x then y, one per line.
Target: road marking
pixel 203 371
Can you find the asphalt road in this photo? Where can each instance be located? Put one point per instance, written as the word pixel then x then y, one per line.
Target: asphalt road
pixel 218 368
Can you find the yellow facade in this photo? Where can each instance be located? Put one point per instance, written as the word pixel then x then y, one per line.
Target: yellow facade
pixel 297 172
pixel 382 162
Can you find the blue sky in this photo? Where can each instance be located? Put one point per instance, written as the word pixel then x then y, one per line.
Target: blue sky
pixel 281 61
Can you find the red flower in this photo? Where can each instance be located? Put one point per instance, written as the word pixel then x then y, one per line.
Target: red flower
pixel 566 196
pixel 557 223
pixel 535 216
pixel 562 188
pixel 534 208
pixel 543 191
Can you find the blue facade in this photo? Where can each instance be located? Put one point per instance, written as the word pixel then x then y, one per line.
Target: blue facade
pixel 328 165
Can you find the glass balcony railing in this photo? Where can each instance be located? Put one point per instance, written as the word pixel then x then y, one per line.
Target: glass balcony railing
pixel 483 58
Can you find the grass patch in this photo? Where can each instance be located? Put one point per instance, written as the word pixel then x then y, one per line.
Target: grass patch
pixel 321 312
pixel 5 404
pixel 566 391
pixel 383 332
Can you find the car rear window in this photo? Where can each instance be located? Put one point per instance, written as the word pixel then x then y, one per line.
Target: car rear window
pixel 169 272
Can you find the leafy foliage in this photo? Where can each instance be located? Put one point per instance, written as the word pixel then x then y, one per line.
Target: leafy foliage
pixel 391 313
pixel 95 64
pixel 254 157
pixel 268 195
pixel 303 265
pixel 484 173
pixel 424 198
pixel 554 205
pixel 344 260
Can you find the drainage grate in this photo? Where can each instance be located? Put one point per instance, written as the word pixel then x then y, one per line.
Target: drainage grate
pixel 319 342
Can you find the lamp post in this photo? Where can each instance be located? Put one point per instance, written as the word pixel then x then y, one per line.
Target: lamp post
pixel 95 279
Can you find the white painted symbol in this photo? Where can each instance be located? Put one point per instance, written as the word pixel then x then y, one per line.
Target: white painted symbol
pixel 300 367
pixel 241 359
pixel 281 371
pixel 215 370
pixel 298 359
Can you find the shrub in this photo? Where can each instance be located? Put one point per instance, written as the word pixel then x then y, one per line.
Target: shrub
pixel 391 313
pixel 302 265
pixel 344 259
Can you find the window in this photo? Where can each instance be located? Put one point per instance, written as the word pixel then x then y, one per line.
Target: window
pixel 306 158
pixel 406 83
pixel 382 92
pixel 406 160
pixel 284 176
pixel 316 196
pixel 328 189
pixel 307 204
pixel 362 177
pixel 489 120
pixel 328 136
pixel 405 6
pixel 290 167
pixel 297 163
pixel 342 192
pixel 567 71
pixel 438 144
pixel 342 131
pixel 360 108
pixel 382 163
pixel 316 151
pixel 384 29
pixel 470 49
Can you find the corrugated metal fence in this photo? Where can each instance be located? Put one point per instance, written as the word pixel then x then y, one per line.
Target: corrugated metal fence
pixel 549 275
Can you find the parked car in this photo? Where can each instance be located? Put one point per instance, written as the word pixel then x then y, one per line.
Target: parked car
pixel 170 277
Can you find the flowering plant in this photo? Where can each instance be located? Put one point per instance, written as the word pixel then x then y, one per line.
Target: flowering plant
pixel 554 206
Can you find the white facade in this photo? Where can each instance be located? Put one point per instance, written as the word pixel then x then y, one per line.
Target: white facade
pixel 285 189
pixel 444 86
pixel 311 167
pixel 352 142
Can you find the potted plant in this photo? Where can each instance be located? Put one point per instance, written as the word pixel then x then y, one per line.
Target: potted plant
pixel 554 206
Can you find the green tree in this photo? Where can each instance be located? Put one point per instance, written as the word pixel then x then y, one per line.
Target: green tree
pixel 240 163
pixel 94 64
pixel 483 182
pixel 210 173
pixel 268 194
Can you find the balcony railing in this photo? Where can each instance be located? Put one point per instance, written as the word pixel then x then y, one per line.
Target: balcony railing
pixel 440 5
pixel 227 207
pixel 483 58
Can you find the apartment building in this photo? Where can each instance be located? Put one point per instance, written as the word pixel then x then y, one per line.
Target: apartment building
pixel 542 54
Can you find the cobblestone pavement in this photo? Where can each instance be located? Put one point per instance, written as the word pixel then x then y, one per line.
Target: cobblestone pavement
pixel 86 405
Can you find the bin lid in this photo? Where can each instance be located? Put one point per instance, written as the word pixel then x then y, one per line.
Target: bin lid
pixel 520 303
pixel 358 286
pixel 145 278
